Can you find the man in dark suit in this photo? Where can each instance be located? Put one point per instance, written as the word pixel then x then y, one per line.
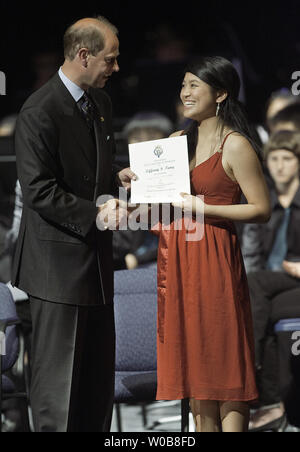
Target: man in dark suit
pixel 65 148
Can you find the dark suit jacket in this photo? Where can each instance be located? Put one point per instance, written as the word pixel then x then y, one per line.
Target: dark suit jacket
pixel 60 254
pixel 258 239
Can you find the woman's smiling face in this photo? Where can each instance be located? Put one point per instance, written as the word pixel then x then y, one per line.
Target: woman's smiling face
pixel 198 98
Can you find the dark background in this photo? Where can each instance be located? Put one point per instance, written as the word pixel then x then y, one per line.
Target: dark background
pixel 263 35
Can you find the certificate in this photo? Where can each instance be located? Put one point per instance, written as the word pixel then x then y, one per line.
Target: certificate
pixel 162 169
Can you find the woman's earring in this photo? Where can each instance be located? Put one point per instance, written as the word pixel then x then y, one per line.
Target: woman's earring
pixel 218 109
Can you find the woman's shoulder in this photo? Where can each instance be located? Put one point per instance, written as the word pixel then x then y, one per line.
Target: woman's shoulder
pixel 234 139
pixel 237 145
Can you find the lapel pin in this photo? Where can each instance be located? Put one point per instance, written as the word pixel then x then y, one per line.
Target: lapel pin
pixel 101 119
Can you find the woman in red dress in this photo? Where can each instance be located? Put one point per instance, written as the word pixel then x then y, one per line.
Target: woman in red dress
pixel 205 341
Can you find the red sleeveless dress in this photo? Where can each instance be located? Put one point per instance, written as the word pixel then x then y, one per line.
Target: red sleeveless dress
pixel 205 346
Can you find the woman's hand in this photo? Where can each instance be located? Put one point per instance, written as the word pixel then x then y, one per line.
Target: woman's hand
pixel 292 268
pixel 190 204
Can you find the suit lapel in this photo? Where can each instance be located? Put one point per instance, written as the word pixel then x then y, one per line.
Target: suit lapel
pixel 81 135
pixel 74 121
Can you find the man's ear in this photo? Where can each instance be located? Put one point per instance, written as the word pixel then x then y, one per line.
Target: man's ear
pixel 83 55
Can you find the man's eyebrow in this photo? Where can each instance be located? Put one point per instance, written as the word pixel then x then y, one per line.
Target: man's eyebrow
pixel 112 55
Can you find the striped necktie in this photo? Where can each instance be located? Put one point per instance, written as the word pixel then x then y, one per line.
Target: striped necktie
pixel 88 109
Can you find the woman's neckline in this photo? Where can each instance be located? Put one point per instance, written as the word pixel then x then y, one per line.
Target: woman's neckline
pixel 207 160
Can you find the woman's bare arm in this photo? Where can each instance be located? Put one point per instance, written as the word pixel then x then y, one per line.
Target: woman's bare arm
pixel 241 159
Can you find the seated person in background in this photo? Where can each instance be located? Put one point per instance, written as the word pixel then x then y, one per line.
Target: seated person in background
pixel 7 125
pixel 272 258
pixel 20 297
pixel 5 262
pixel 12 234
pixel 292 397
pixel 147 126
pixel 286 119
pixel 277 101
pixel 7 177
pixel 134 248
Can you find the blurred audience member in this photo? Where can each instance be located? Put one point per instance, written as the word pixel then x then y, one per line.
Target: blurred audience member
pixel 20 297
pixel 286 119
pixel 12 234
pixel 7 125
pixel 44 65
pixel 277 101
pixel 181 123
pixel 292 398
pixel 134 248
pixel 5 262
pixel 272 259
pixel 146 126
pixel 7 175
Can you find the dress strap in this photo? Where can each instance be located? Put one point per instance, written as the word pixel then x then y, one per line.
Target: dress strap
pixel 224 141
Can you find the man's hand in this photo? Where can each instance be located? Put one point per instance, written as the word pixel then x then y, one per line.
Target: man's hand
pixel 112 215
pixel 292 268
pixel 125 177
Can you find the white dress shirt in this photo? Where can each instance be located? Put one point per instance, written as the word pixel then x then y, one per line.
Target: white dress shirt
pixel 75 90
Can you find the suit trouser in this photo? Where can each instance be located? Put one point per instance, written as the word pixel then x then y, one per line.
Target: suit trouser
pixel 73 362
pixel 274 296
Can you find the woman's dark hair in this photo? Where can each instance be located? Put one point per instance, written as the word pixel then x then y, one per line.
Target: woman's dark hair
pixel 221 75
